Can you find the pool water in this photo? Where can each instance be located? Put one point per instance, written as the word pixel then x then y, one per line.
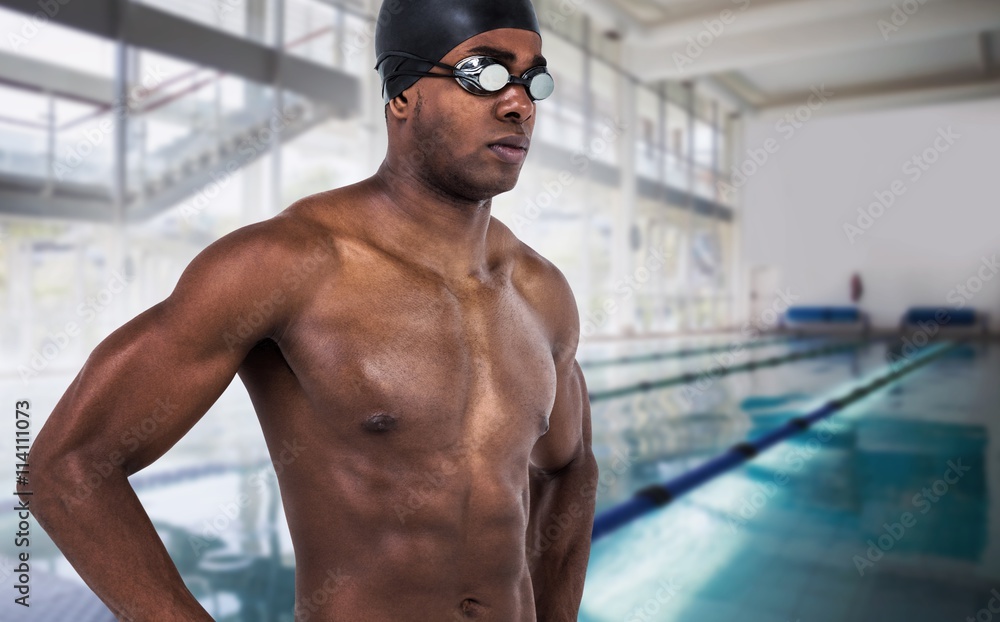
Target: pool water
pixel 814 529
pixel 881 513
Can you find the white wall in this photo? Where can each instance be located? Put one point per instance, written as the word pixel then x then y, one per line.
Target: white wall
pixel 932 239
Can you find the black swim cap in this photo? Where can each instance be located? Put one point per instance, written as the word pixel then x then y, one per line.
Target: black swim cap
pixel 432 28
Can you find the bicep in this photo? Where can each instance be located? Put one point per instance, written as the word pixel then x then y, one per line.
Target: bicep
pixel 151 380
pixel 568 436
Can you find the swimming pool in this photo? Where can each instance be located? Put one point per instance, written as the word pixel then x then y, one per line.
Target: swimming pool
pixel 775 539
pixel 880 514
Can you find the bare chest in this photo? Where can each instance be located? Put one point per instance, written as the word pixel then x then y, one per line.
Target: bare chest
pixel 383 356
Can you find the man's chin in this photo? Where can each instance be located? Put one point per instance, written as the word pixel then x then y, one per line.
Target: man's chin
pixel 503 188
pixel 506 179
pixel 485 189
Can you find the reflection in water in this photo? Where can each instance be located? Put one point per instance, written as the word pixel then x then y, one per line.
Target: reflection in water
pixel 246 581
pixel 886 515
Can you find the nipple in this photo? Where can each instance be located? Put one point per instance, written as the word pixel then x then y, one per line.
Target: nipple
pixel 380 423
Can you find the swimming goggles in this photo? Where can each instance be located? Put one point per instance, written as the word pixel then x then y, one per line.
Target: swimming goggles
pixel 483 75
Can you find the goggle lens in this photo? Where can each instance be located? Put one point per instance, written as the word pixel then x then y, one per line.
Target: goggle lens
pixel 483 75
pixel 493 78
pixel 542 85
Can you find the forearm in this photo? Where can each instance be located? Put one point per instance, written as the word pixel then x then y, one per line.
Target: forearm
pixel 104 532
pixel 561 522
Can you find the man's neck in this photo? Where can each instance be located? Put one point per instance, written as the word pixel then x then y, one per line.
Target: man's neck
pixel 441 232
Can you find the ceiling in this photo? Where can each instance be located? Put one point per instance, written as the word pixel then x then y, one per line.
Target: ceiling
pixel 771 54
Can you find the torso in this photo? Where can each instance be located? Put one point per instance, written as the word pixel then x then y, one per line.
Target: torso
pixel 416 404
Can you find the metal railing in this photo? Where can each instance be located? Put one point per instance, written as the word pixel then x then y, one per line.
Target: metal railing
pixel 192 102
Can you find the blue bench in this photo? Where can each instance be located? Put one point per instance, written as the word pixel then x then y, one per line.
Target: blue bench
pixel 824 315
pixel 945 317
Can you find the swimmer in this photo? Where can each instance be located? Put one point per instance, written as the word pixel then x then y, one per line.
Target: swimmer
pixel 418 358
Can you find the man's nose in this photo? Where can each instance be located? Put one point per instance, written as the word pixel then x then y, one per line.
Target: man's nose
pixel 515 104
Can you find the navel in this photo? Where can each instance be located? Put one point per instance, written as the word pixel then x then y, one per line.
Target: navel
pixel 380 423
pixel 472 608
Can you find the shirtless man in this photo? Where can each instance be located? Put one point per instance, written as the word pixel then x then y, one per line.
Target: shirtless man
pixel 421 357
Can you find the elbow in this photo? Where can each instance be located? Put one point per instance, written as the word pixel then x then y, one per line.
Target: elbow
pixel 47 483
pixel 59 481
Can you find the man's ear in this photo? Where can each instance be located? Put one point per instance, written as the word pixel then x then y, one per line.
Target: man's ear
pixel 399 107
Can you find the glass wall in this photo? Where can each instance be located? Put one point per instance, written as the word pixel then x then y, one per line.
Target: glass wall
pixel 568 204
pixel 593 182
pixel 680 142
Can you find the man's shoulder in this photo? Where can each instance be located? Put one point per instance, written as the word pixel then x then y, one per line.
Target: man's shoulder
pixel 270 248
pixel 532 273
pixel 546 290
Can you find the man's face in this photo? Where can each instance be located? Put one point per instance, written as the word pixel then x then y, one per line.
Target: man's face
pixel 460 136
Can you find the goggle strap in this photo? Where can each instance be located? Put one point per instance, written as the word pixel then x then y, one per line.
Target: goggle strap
pixel 421 74
pixel 385 55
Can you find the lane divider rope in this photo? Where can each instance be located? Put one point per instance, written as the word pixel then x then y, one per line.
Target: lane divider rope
pixel 649 385
pixel 685 352
pixel 657 496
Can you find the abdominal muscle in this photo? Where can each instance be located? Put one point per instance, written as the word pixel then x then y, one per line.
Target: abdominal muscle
pixel 377 545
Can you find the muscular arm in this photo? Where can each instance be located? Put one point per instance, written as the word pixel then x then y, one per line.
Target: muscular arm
pixel 563 484
pixel 140 391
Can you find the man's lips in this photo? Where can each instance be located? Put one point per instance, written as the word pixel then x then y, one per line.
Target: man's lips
pixel 512 149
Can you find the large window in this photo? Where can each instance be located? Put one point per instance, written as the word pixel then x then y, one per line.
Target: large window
pixel 679 148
